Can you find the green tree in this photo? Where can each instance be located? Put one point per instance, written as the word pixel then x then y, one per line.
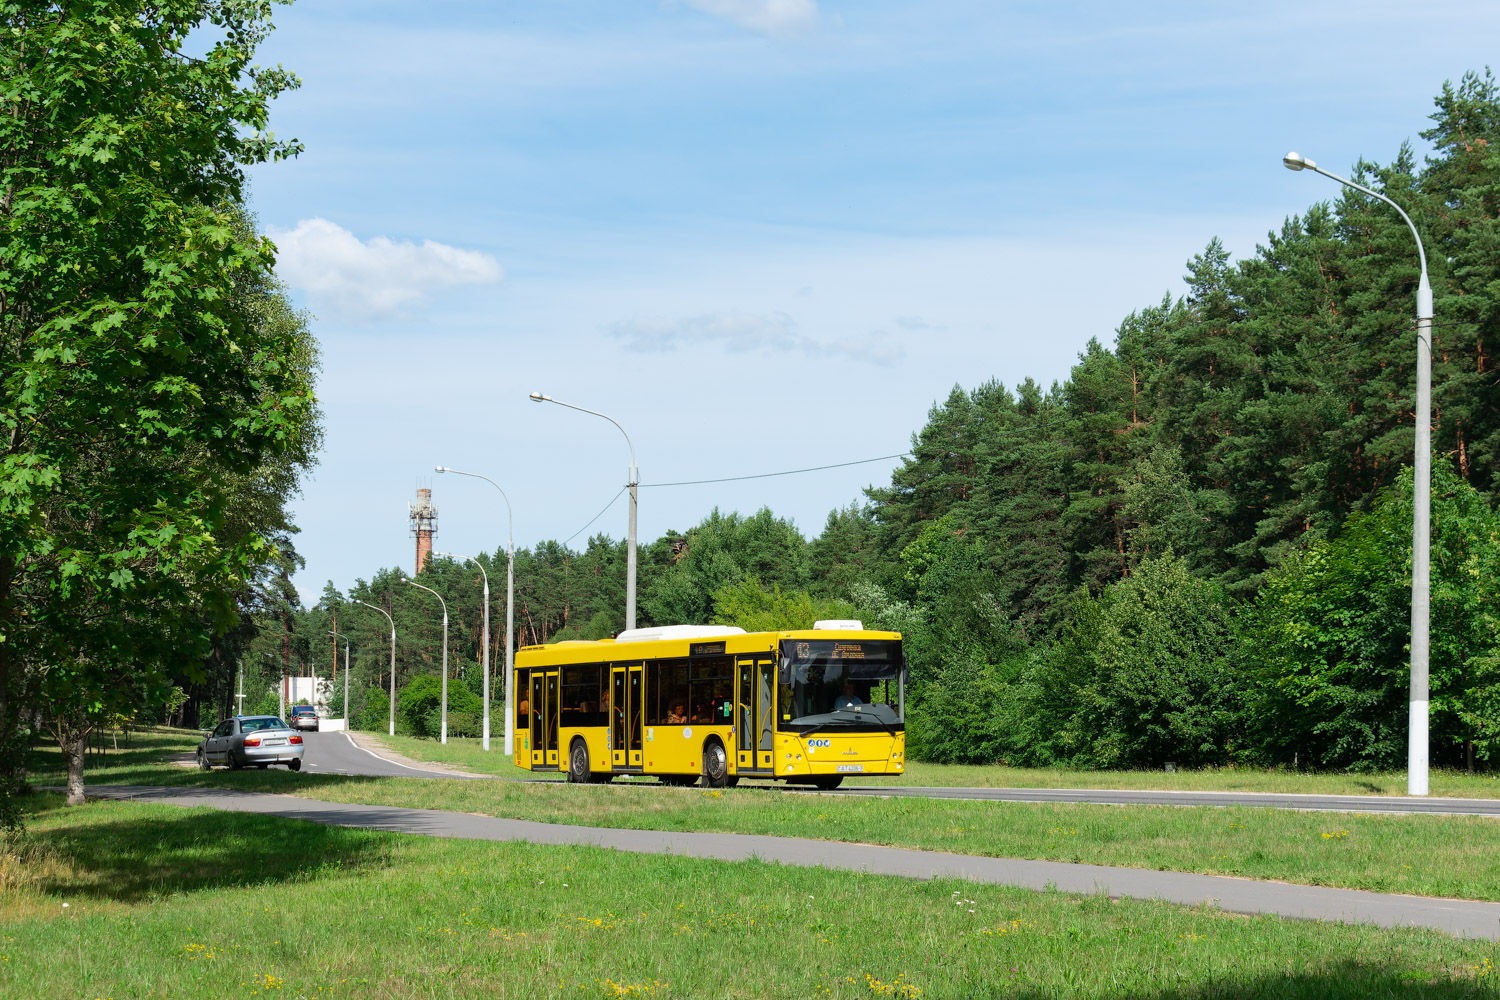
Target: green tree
pixel 419 708
pixel 723 550
pixel 756 609
pixel 1145 674
pixel 137 392
pixel 1334 626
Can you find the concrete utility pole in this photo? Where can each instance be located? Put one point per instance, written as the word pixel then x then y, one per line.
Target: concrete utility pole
pixel 510 619
pixel 393 660
pixel 240 698
pixel 1417 756
pixel 444 603
pixel 632 483
pixel 337 635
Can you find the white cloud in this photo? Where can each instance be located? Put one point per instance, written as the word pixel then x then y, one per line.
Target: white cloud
pixel 374 278
pixel 769 17
pixel 741 333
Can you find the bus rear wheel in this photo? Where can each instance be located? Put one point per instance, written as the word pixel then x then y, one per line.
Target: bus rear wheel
pixel 715 765
pixel 578 763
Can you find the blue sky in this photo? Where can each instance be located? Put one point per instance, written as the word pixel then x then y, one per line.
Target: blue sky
pixel 765 234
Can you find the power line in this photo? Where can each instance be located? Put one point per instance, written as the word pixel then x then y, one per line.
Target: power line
pixel 595 517
pixel 788 472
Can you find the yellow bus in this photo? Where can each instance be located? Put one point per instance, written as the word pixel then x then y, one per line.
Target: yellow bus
pixel 715 704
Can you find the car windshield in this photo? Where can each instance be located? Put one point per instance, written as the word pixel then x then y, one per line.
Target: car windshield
pixel 302 710
pixel 837 683
pixel 265 722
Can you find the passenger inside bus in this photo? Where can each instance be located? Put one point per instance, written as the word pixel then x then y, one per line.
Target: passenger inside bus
pixel 676 714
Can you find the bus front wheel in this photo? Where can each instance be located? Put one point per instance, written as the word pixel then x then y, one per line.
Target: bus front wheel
pixel 715 765
pixel 827 782
pixel 578 763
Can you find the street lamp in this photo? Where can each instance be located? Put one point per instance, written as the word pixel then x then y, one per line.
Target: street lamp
pixel 1416 748
pixel 510 617
pixel 393 659
pixel 444 603
pixel 476 562
pixel 340 635
pixel 633 482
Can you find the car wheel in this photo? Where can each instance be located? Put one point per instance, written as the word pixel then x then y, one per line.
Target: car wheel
pixel 578 763
pixel 295 765
pixel 234 765
pixel 828 782
pixel 715 765
pixel 262 766
pixel 203 764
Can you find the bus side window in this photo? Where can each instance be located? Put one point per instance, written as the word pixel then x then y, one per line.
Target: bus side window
pixel 671 693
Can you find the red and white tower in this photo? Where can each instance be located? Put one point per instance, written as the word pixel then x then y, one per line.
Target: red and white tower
pixel 423 517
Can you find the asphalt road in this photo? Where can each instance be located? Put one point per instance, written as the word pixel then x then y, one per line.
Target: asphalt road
pixel 1464 918
pixel 337 753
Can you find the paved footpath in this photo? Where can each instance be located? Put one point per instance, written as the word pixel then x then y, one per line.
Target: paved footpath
pixel 1143 797
pixel 1455 916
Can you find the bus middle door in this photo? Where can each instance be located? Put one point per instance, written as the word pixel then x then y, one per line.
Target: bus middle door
pixel 752 732
pixel 618 708
pixel 635 712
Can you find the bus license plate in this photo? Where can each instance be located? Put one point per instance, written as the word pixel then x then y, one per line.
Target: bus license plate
pixel 851 767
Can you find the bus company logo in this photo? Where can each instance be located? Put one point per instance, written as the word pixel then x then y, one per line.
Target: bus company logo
pixel 819 743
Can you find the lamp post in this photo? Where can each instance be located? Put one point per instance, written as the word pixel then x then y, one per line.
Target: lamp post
pixel 444 603
pixel 633 482
pixel 393 660
pixel 486 636
pixel 1417 733
pixel 339 635
pixel 510 619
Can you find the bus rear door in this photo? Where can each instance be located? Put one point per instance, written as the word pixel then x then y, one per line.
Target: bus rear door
pixel 544 718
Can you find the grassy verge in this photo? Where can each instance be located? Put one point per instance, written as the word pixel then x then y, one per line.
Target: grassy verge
pixel 165 902
pixel 1456 856
pixel 471 756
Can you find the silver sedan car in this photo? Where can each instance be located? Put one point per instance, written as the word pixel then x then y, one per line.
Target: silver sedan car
pixel 251 741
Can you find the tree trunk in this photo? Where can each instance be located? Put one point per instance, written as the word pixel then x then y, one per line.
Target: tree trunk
pixel 72 740
pixel 72 733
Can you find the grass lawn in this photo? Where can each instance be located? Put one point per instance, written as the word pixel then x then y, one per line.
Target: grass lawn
pixel 1454 856
pixel 126 900
pixel 469 755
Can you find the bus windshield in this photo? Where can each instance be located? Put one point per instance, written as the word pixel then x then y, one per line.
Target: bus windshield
pixel 842 683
